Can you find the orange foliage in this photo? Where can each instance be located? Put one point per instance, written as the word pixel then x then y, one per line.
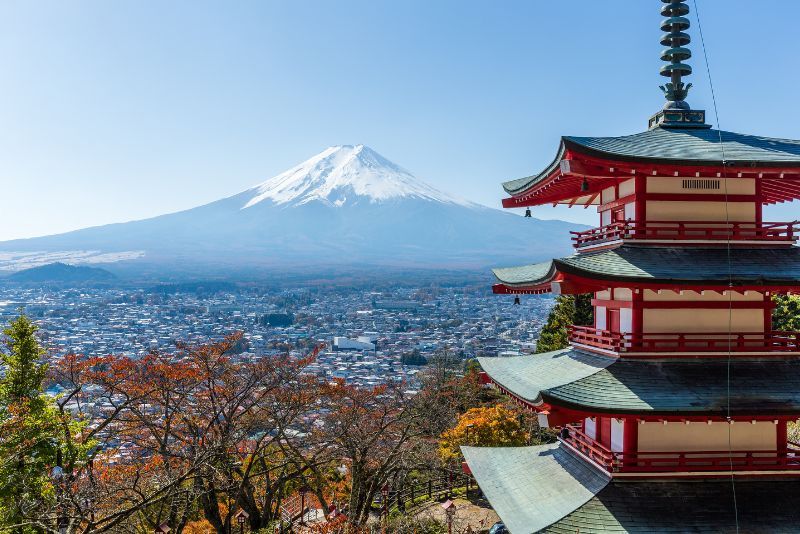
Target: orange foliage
pixel 494 426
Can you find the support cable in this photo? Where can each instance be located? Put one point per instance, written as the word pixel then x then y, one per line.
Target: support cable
pixel 730 265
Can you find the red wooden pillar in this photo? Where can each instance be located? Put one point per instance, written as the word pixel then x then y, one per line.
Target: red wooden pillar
pixel 640 192
pixel 637 311
pixel 630 442
pixel 759 202
pixel 604 431
pixel 630 436
pixel 781 435
pixel 594 310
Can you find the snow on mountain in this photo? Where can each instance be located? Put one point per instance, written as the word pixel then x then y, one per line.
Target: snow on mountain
pixel 347 206
pixel 342 175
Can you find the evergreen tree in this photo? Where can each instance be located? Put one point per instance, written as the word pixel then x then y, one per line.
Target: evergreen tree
pixel 786 315
pixel 568 310
pixel 29 429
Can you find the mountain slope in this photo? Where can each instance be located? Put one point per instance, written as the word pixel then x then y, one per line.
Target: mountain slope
pixel 345 206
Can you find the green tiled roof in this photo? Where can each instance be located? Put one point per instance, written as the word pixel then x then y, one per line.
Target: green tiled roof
pixel 675 146
pixel 757 266
pixel 531 488
pixel 763 506
pixel 527 274
pixel 528 376
pixel 574 379
pixel 548 489
pixel 700 146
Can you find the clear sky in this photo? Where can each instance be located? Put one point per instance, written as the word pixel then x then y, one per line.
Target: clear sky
pixel 119 110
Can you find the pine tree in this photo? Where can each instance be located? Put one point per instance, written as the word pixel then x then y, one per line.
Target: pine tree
pixel 568 310
pixel 786 315
pixel 29 428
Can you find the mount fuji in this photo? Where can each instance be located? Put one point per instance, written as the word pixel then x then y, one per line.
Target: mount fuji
pixel 348 205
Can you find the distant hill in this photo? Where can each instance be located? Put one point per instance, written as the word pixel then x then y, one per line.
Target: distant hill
pixel 61 272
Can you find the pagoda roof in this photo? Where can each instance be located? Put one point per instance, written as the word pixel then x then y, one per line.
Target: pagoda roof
pixel 528 376
pixel 687 506
pixel 665 265
pixel 581 381
pixel 548 489
pixel 674 146
pixel 531 488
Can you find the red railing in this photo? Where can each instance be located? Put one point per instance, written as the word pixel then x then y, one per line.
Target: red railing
pixel 593 337
pixel 588 447
pixel 687 231
pixel 698 461
pixel 695 342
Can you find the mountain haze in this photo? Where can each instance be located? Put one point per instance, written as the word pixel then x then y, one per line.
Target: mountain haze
pixel 348 205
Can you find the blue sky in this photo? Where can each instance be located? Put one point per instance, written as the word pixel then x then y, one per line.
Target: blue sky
pixel 113 111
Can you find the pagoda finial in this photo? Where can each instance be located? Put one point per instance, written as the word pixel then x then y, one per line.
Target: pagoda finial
pixel 676 113
pixel 676 40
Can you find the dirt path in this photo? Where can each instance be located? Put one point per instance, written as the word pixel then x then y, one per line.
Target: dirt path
pixel 476 516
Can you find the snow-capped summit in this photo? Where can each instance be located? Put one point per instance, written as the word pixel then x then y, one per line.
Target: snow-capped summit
pixel 345 174
pixel 347 207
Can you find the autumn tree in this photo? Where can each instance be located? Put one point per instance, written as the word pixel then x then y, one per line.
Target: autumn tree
pixel 124 481
pixel 494 426
pixel 373 432
pixel 191 437
pixel 182 435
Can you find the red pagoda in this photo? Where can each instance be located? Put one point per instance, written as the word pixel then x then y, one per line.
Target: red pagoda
pixel 672 408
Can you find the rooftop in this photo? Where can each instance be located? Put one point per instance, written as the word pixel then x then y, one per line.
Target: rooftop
pixel 667 265
pixel 578 380
pixel 688 147
pixel 548 489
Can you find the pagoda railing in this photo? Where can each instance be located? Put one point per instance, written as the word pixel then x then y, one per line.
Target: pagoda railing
pixel 688 231
pixel 589 447
pixel 681 461
pixel 597 338
pixel 693 342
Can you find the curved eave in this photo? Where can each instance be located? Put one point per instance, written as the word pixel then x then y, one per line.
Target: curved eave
pixel 520 185
pixel 642 266
pixel 771 505
pixel 532 279
pixel 591 384
pixel 531 488
pixel 763 156
pixel 547 488
pixel 527 377
pixel 657 151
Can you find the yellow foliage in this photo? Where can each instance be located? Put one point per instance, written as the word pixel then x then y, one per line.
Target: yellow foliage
pixel 198 527
pixel 495 426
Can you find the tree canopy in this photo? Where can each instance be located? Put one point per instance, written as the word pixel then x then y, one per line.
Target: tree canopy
pixel 492 426
pixel 568 310
pixel 786 315
pixel 29 428
pixel 190 438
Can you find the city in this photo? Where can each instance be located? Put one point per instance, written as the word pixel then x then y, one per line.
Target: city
pixel 366 334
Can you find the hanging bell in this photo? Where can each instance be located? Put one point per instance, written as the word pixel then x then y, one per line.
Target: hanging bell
pixel 585 185
pixel 528 213
pixel 516 301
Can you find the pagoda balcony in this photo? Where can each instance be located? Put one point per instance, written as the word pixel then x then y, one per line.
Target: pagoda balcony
pixel 680 461
pixel 670 231
pixel 705 342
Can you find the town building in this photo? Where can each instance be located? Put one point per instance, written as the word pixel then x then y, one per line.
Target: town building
pixel 673 407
